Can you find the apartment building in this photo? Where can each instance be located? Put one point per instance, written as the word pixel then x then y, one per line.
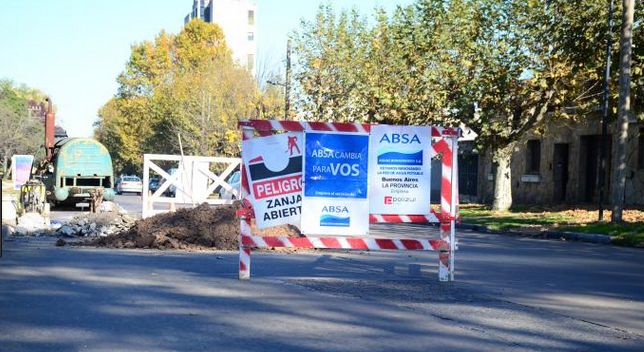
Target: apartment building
pixel 237 19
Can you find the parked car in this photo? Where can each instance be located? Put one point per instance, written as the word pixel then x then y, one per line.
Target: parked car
pixel 154 184
pixel 131 184
pixel 234 181
pixel 171 191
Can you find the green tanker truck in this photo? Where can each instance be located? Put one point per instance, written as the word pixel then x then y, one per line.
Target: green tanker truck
pixel 78 168
pixel 74 171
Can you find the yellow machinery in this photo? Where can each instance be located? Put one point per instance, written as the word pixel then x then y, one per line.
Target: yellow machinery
pixel 32 197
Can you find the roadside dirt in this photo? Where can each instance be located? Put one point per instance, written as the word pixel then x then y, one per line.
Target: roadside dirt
pixel 575 214
pixel 588 216
pixel 203 227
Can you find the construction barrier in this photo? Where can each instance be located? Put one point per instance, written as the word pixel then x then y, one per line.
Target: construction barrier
pixel 301 198
pixel 190 181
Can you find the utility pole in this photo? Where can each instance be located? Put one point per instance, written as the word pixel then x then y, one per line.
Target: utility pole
pixel 287 82
pixel 624 109
pixel 287 86
pixel 604 138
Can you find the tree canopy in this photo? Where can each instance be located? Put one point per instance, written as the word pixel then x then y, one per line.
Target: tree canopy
pixel 183 84
pixel 503 68
pixel 20 133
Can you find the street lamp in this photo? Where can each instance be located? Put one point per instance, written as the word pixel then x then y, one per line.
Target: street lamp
pixel 286 95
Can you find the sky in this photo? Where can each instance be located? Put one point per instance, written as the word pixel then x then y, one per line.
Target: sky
pixel 73 50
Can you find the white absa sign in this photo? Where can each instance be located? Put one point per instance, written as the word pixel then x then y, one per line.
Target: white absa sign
pixel 400 170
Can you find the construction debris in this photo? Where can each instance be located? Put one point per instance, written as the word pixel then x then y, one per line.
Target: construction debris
pixel 199 228
pixel 31 223
pixel 203 227
pixel 111 207
pixel 9 214
pixel 96 225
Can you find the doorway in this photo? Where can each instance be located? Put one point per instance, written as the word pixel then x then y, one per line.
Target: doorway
pixel 468 174
pixel 560 171
pixel 589 157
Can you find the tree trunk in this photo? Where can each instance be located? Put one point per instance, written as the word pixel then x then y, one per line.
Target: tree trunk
pixel 5 160
pixel 503 178
pixel 624 110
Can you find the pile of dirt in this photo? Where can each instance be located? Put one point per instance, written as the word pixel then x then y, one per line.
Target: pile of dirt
pixel 196 228
pixel 203 227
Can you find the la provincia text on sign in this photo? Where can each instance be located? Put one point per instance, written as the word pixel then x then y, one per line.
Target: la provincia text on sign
pixel 274 174
pixel 336 184
pixel 400 170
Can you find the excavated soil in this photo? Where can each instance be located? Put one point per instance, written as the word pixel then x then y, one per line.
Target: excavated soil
pixel 203 227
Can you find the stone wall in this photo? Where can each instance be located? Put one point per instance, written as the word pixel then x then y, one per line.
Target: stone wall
pixel 540 188
pixel 634 172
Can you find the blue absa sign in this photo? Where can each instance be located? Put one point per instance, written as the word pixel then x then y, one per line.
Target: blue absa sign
pixel 335 184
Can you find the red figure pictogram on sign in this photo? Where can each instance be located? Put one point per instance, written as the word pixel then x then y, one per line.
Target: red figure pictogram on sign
pixel 292 143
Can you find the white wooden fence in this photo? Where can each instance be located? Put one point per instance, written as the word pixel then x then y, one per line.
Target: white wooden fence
pixel 192 181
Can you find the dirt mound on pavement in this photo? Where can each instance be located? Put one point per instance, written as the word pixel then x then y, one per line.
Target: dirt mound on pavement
pixel 196 228
pixel 203 227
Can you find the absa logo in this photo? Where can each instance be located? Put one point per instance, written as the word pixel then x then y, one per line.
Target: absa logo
pixel 335 209
pixel 402 138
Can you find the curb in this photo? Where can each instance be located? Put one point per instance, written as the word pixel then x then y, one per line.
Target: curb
pixel 551 235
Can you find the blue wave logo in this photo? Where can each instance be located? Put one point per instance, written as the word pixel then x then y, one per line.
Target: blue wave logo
pixel 398 158
pixel 332 220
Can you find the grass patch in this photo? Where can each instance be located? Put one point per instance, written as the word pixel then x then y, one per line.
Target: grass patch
pixel 626 234
pixel 535 220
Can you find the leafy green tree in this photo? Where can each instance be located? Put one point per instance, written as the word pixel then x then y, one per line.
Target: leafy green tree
pixel 503 68
pixel 19 132
pixel 185 84
pixel 330 63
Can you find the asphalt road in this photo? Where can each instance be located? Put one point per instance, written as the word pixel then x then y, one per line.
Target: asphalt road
pixel 130 202
pixel 510 294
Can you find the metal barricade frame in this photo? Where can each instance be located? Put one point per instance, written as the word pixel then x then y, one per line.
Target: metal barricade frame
pixel 446 144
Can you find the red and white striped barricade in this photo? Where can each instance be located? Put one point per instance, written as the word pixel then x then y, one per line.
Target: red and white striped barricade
pixel 445 144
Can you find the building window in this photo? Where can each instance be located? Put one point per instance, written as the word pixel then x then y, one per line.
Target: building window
pixel 207 16
pixel 251 36
pixel 251 62
pixel 251 17
pixel 533 157
pixel 640 150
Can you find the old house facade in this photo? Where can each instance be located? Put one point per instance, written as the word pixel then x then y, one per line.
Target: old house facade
pixel 559 163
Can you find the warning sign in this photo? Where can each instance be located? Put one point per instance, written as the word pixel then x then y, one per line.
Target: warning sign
pixel 274 173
